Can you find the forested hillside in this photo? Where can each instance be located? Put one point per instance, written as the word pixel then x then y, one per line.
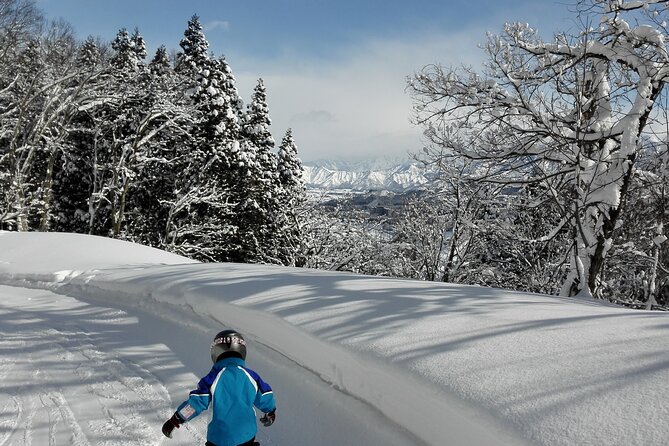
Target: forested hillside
pixel 548 167
pixel 98 139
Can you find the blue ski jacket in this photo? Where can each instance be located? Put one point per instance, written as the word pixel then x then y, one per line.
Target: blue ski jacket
pixel 233 390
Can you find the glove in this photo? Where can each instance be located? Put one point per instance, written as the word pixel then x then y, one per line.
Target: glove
pixel 170 424
pixel 268 419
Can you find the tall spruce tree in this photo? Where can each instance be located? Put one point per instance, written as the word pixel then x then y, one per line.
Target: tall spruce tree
pixel 199 222
pixel 257 123
pixel 138 45
pixel 257 209
pixel 235 116
pixel 195 49
pixel 125 59
pixel 160 64
pixel 89 54
pixel 291 198
pixel 257 128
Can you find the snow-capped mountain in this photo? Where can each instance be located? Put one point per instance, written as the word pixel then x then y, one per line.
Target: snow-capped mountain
pixel 332 175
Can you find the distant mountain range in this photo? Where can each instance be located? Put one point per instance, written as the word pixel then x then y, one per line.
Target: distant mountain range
pixel 365 176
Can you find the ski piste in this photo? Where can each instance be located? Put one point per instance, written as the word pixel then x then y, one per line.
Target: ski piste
pixel 100 337
pixel 81 373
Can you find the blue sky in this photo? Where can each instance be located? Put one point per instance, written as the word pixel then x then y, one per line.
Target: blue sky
pixel 335 70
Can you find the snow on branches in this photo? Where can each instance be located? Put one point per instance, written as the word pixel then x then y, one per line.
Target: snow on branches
pixel 569 114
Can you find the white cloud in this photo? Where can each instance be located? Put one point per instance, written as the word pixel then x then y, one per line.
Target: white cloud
pixel 354 105
pixel 217 24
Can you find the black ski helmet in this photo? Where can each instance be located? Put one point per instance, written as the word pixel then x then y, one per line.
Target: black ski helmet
pixel 228 341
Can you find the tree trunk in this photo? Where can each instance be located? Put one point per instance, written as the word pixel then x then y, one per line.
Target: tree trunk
pixel 47 193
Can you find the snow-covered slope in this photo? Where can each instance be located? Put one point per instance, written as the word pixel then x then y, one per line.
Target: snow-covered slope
pixel 451 364
pixel 38 252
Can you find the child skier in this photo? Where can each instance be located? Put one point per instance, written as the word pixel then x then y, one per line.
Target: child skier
pixel 232 389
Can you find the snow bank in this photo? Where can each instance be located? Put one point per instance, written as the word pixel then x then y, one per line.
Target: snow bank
pixel 41 252
pixel 454 365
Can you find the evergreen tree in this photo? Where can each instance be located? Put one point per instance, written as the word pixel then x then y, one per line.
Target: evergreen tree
pixel 291 198
pixel 164 135
pixel 125 59
pixel 256 128
pixel 216 101
pixel 200 213
pixel 249 212
pixel 160 64
pixel 138 45
pixel 195 49
pixel 235 100
pixel 290 171
pixel 89 54
pixel 257 123
pixel 258 208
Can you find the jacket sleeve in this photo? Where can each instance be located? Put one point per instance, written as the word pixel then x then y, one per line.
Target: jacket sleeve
pixel 199 399
pixel 264 400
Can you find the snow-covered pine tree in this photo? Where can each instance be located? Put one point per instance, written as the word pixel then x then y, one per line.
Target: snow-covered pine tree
pixel 160 64
pixel 89 54
pixel 291 199
pixel 291 172
pixel 258 185
pixel 125 59
pixel 199 222
pixel 138 45
pixel 218 100
pixel 256 129
pixel 235 116
pixel 249 214
pixel 257 123
pixel 195 48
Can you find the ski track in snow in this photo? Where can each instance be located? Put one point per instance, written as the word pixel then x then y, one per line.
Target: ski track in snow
pixel 122 402
pixel 9 416
pixel 72 373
